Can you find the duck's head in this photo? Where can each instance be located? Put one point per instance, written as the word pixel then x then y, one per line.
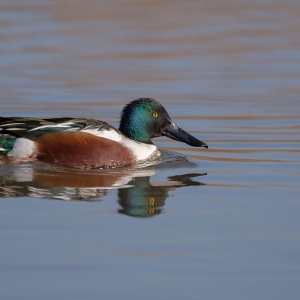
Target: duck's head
pixel 145 118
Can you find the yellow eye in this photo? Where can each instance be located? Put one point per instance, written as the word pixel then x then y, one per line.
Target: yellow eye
pixel 155 114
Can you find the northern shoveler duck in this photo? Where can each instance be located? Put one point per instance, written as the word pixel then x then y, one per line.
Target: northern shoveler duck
pixel 88 143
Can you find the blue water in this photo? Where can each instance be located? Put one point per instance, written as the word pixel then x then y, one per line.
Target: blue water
pixel 209 223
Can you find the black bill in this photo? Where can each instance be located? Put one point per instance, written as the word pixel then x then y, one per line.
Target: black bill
pixel 176 133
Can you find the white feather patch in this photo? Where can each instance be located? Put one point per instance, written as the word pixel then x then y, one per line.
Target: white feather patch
pixel 110 134
pixel 140 150
pixel 66 125
pixel 22 148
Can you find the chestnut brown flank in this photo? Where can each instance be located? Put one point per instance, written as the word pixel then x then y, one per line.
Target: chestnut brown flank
pixel 82 150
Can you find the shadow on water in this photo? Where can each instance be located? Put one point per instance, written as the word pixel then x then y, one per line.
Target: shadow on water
pixel 137 196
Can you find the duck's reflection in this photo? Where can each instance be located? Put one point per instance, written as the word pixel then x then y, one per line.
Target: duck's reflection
pixel 146 199
pixel 137 196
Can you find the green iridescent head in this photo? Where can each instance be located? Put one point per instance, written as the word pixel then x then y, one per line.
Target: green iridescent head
pixel 145 118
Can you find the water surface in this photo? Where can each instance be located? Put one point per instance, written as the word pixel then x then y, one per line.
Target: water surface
pixel 229 74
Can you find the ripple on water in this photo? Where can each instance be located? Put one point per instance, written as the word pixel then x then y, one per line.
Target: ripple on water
pixel 168 159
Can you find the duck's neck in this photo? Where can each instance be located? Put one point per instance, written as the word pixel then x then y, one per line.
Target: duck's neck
pixel 135 132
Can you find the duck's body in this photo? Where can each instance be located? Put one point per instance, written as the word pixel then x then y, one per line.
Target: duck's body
pixel 78 143
pixel 88 143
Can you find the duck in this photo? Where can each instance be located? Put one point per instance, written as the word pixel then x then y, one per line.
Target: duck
pixel 90 143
